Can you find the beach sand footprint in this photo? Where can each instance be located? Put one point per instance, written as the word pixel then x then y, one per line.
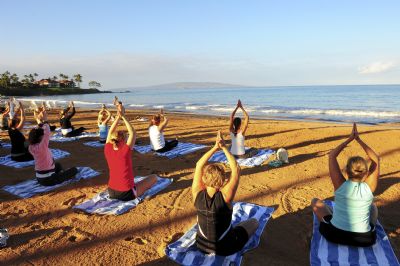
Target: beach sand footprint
pixel 78 235
pixel 136 240
pixel 72 201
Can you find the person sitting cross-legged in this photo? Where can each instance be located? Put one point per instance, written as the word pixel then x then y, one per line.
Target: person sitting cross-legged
pixel 213 194
pixel 48 172
pixel 353 218
pixel 118 153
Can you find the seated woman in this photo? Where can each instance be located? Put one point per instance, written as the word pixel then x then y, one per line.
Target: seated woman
pixel 353 218
pixel 38 113
pixel 213 194
pixel 48 172
pixel 238 132
pixel 65 122
pixel 118 153
pixel 156 135
pixel 19 146
pixel 102 121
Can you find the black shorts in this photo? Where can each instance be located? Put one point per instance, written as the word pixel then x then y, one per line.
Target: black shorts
pixel 339 236
pixel 121 195
pixel 232 242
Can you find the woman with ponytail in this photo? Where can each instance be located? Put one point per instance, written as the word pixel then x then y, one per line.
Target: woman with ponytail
pixel 353 218
pixel 238 131
pixel 118 153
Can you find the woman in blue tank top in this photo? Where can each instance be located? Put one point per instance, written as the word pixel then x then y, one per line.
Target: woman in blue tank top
pixel 102 121
pixel 354 215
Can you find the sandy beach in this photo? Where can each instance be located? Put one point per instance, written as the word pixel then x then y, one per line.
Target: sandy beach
pixel 45 230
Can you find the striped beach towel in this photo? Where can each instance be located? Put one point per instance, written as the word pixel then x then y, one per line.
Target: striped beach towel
pixel 256 160
pixel 181 149
pixel 102 204
pixel 5 145
pixel 324 252
pixel 31 187
pixel 185 252
pixel 6 160
pixel 58 137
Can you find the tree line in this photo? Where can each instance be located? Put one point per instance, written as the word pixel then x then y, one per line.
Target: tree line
pixel 9 81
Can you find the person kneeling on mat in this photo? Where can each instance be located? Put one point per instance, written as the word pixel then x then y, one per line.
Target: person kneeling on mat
pixel 213 194
pixel 48 172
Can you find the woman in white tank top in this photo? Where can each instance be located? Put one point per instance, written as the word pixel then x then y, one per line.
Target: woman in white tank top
pixel 156 128
pixel 238 131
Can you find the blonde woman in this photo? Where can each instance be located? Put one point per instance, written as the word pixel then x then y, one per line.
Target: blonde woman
pixel 213 194
pixel 353 218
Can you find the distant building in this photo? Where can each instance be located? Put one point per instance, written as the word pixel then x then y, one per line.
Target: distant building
pixel 65 83
pixel 48 83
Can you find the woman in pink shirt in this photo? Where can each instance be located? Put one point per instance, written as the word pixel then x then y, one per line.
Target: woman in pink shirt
pixel 48 172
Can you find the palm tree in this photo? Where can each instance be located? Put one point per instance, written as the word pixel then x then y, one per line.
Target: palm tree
pixel 55 77
pixel 78 79
pixel 14 79
pixel 62 76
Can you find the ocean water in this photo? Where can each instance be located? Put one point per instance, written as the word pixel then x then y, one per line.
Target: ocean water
pixel 366 104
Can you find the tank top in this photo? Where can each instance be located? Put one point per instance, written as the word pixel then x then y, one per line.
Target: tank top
pixel 214 216
pixel 237 147
pixel 352 207
pixel 103 132
pixel 17 142
pixel 156 138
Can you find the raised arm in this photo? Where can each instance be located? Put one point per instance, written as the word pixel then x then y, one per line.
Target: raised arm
pixel 374 169
pixel 233 117
pixel 164 123
pixel 229 190
pixel 131 131
pixel 113 127
pixel 69 114
pixel 22 120
pixel 335 172
pixel 108 116
pixel 198 184
pixel 36 117
pixel 246 119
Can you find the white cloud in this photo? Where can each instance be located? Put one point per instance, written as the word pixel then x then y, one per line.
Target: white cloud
pixel 377 67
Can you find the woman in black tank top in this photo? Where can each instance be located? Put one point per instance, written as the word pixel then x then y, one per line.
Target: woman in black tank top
pixel 213 195
pixel 19 146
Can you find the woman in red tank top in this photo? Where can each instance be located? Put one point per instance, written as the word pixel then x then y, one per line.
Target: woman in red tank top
pixel 118 153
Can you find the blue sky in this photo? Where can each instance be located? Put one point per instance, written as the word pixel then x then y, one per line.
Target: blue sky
pixel 137 43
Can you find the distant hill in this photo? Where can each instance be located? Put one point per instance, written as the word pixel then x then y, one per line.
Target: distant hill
pixel 187 85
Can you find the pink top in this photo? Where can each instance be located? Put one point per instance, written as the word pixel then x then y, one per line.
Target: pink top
pixel 41 152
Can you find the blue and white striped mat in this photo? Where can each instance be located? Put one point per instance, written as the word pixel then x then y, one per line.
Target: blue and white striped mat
pixel 31 187
pixel 58 137
pixel 102 204
pixel 181 149
pixel 5 145
pixel 6 160
pixel 324 252
pixel 256 160
pixel 185 252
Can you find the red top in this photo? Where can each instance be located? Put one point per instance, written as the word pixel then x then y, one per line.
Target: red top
pixel 120 167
